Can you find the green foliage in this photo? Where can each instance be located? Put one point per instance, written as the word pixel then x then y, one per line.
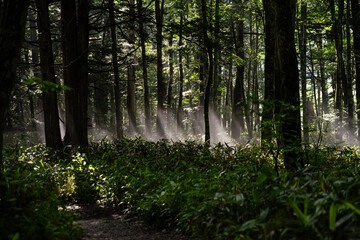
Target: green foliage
pixel 30 207
pixel 220 192
pixel 46 86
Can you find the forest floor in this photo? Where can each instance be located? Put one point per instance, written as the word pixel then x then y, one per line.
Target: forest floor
pixel 107 223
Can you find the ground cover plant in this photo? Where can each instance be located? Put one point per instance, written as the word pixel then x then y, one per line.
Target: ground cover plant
pixel 219 192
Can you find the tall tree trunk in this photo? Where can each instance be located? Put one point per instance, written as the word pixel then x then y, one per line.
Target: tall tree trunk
pixel 12 27
pixel 50 103
pixel 302 46
pixel 131 87
pixel 115 65
pixel 209 51
pixel 256 81
pixel 161 87
pixel 324 90
pixel 170 85
pixel 216 79
pixel 238 110
pixel 34 59
pixel 75 34
pixel 180 112
pixel 267 123
pixel 355 10
pixel 349 75
pixel 340 70
pixel 144 70
pixel 287 80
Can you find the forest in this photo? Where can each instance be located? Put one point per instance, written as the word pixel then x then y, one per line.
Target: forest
pixel 212 119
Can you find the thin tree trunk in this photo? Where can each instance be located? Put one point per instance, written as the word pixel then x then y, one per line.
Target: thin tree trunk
pixel 267 123
pixel 238 110
pixel 180 112
pixel 161 87
pixel 340 71
pixel 349 74
pixel 302 46
pixel 170 85
pixel 117 93
pixel 144 70
pixel 209 51
pixel 131 87
pixel 35 61
pixel 324 90
pixel 50 103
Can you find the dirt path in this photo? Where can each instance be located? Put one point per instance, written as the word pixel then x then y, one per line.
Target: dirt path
pixel 108 224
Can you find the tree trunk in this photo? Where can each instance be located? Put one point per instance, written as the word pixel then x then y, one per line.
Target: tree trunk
pixel 283 54
pixel 34 59
pixel 302 46
pixel 180 112
pixel 340 70
pixel 256 82
pixel 324 90
pixel 238 110
pixel 170 85
pixel 349 75
pixel 209 51
pixel 118 108
pixel 355 9
pixel 267 123
pixel 131 87
pixel 50 103
pixel 161 87
pixel 12 27
pixel 75 34
pixel 144 71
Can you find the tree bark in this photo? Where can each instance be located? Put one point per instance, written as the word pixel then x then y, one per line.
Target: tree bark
pixel 349 74
pixel 238 110
pixel 340 69
pixel 117 93
pixel 355 10
pixel 144 71
pixel 50 103
pixel 75 34
pixel 302 46
pixel 180 112
pixel 287 77
pixel 161 87
pixel 131 87
pixel 209 52
pixel 12 27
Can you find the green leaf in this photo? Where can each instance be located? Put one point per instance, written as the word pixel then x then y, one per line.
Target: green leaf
pixel 352 207
pixel 261 178
pixel 332 216
pixel 248 225
pixel 16 236
pixel 299 213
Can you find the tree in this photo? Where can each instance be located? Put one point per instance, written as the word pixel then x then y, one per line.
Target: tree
pixel 12 28
pixel 75 40
pixel 280 50
pixel 131 87
pixel 161 87
pixel 238 109
pixel 141 13
pixel 355 9
pixel 209 52
pixel 118 108
pixel 302 47
pixel 49 97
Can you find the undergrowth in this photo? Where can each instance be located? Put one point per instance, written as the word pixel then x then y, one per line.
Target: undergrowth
pixel 220 192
